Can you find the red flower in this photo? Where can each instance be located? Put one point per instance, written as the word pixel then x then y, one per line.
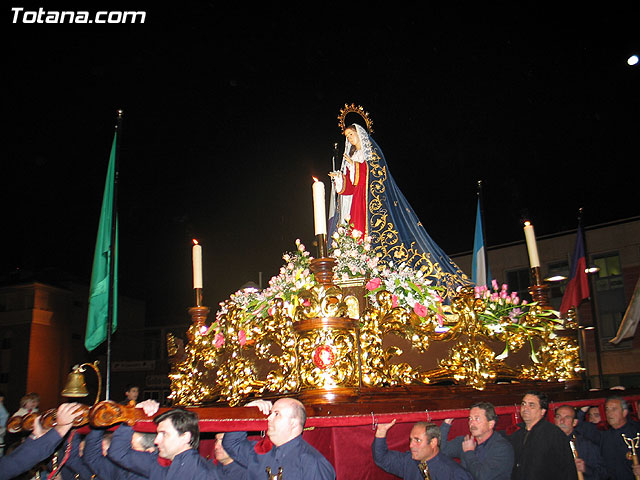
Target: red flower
pixel 373 284
pixel 420 310
pixel 394 301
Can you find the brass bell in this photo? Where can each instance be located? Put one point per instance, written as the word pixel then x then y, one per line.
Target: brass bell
pixel 75 386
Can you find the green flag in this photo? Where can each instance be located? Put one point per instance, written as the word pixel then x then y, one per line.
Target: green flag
pixel 103 262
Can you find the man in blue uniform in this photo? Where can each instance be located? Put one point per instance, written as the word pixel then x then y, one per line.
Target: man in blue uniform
pixel 424 453
pixel 227 468
pixel 486 454
pixel 97 444
pixel 177 440
pixel 613 448
pixel 39 445
pixel 290 453
pixel 587 455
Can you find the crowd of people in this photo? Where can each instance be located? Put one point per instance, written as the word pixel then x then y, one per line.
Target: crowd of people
pixel 576 444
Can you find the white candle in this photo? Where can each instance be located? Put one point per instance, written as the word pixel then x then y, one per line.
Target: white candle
pixel 532 248
pixel 197 264
pixel 319 212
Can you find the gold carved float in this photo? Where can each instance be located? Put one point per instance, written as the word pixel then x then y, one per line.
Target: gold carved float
pixel 326 336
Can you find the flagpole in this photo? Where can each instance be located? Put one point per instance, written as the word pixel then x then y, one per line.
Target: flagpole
pixel 484 233
pixel 592 301
pixel 112 254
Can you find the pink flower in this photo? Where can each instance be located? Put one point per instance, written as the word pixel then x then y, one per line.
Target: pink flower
pixel 420 310
pixel 242 337
pixel 494 284
pixel 219 340
pixel 440 320
pixel 373 284
pixel 306 302
pixel 394 301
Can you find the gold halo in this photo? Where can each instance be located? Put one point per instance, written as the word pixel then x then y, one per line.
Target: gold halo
pixel 354 109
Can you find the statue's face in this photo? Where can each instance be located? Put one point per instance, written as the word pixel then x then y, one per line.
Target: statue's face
pixel 353 137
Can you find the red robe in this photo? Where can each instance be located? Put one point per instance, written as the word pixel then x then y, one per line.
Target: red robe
pixel 357 188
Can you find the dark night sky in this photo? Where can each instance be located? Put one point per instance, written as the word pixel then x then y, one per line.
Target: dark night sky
pixel 229 114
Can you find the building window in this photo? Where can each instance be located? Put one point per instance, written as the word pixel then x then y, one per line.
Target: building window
pixel 557 288
pixel 609 285
pixel 519 281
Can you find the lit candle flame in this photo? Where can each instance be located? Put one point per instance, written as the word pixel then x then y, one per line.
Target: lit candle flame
pixel 195 242
pixel 315 179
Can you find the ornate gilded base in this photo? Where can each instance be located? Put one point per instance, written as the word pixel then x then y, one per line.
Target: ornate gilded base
pixel 328 356
pixel 321 345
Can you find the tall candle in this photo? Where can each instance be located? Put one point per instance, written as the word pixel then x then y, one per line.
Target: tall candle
pixel 532 248
pixel 319 212
pixel 197 264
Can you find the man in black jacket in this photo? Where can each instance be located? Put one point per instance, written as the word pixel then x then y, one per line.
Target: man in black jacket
pixel 541 449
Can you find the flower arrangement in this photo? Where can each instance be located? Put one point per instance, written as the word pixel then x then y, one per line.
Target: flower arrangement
pixel 500 304
pixel 294 276
pixel 351 249
pixel 505 311
pixel 409 289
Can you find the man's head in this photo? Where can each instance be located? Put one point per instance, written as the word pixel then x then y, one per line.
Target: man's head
pixel 178 431
pixel 482 420
pixel 131 393
pixel 616 410
pixel 424 441
pixel 565 418
pixel 220 453
pixel 533 408
pixel 286 421
pixel 30 401
pixel 143 442
pixel 593 414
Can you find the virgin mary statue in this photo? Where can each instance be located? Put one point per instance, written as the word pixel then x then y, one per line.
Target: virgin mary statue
pixel 368 197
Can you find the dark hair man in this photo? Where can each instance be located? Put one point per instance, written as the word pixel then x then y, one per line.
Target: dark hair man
pixel 423 455
pixel 484 453
pixel 291 453
pixel 131 393
pixel 541 449
pixel 587 455
pixel 177 439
